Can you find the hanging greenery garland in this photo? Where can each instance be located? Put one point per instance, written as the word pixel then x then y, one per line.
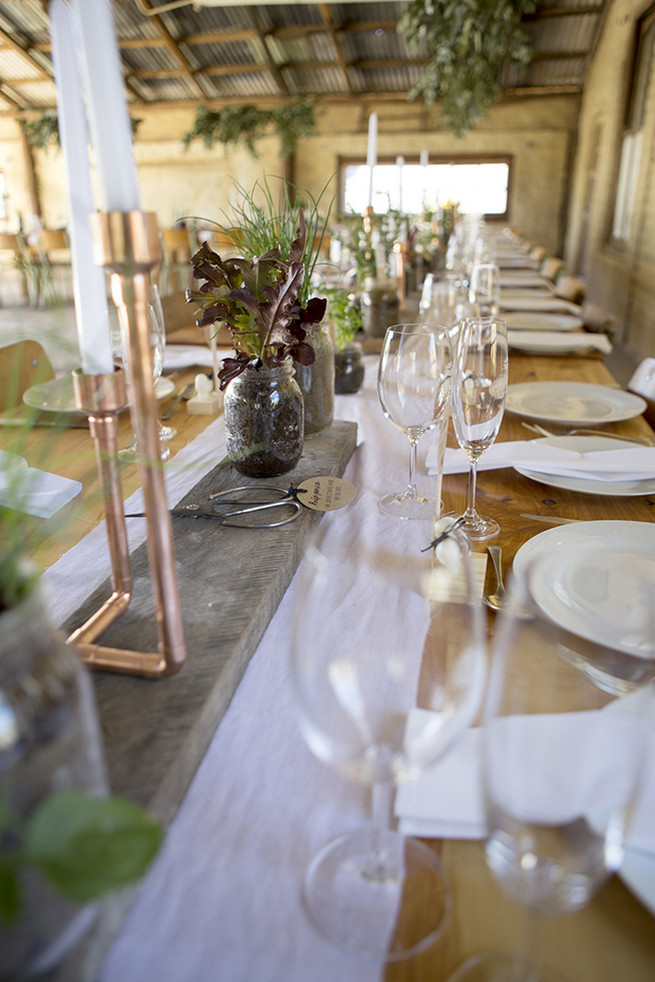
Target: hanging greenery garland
pixel 247 124
pixel 44 130
pixel 468 42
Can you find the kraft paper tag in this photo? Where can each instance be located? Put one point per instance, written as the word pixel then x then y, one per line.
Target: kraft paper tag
pixel 326 493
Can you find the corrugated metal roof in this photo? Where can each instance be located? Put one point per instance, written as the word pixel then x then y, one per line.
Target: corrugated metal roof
pixel 276 50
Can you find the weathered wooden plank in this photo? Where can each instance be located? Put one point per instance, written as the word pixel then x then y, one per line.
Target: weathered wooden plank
pixel 231 582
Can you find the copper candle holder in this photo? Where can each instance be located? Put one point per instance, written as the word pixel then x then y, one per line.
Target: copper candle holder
pixel 127 244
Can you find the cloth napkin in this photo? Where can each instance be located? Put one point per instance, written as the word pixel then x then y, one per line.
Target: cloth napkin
pixel 178 356
pixel 36 492
pixel 622 464
pixel 447 800
pixel 558 340
pixel 551 304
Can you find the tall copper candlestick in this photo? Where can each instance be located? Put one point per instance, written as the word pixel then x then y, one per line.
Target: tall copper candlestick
pixel 127 244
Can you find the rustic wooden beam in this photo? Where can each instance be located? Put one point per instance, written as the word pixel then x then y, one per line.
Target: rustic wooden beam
pixel 24 51
pixel 326 14
pixel 172 46
pixel 275 72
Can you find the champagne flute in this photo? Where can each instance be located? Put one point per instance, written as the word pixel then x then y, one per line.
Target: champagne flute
pixel 380 702
pixel 479 387
pixel 413 388
pixel 562 759
pixel 484 289
pixel 157 344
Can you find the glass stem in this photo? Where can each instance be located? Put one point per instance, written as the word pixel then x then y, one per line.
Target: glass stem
pixel 377 865
pixel 471 490
pixel 525 968
pixel 412 489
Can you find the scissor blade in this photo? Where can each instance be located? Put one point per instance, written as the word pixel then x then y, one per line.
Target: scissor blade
pixel 182 513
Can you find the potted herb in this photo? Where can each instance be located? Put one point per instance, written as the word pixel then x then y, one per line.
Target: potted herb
pixel 346 316
pixel 63 841
pixel 258 300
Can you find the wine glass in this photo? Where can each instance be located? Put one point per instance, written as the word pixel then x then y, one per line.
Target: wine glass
pixel 380 702
pixel 413 388
pixel 484 289
pixel 562 760
pixel 479 387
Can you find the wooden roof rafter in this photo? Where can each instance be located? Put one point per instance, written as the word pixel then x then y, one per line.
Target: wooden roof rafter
pixel 172 46
pixel 326 14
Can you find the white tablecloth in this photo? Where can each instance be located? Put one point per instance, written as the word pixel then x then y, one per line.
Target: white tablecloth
pixel 222 900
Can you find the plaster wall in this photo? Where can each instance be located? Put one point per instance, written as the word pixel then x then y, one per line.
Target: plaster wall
pixel 538 133
pixel 620 278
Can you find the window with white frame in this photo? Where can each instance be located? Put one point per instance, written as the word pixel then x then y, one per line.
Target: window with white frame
pixel 479 186
pixel 630 160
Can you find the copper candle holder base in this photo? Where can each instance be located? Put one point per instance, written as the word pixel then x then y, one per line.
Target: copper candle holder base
pixel 127 244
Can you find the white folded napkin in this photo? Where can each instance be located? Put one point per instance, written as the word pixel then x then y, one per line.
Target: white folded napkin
pixel 447 800
pixel 178 356
pixel 551 304
pixel 558 340
pixel 36 492
pixel 622 464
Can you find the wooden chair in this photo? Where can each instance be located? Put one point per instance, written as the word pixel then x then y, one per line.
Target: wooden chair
pixel 21 365
pixel 570 288
pixel 226 242
pixel 538 253
pixel 175 272
pixel 551 268
pixel 596 320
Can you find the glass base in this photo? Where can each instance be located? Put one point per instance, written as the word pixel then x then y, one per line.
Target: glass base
pixel 130 455
pixel 408 506
pixel 479 528
pixel 166 432
pixel 355 898
pixel 503 966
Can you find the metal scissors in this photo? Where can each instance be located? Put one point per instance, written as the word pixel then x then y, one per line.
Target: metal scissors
pixel 251 506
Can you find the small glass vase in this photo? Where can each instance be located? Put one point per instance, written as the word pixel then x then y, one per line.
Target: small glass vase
pixel 348 368
pixel 380 308
pixel 264 408
pixel 316 381
pixel 49 741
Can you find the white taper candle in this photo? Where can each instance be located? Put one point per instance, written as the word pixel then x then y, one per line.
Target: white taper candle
pixel 372 152
pixel 88 279
pixel 111 131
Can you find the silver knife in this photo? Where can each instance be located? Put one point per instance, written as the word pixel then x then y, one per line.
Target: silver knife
pixel 553 519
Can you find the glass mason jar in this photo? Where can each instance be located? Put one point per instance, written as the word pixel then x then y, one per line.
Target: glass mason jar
pixel 349 368
pixel 264 406
pixel 49 741
pixel 380 308
pixel 316 381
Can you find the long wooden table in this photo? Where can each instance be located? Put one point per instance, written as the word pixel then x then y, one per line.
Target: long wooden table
pixel 614 937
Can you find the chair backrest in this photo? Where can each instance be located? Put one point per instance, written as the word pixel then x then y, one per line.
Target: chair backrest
pixel 11 242
pixel 596 320
pixel 53 240
pixel 21 365
pixel 226 242
pixel 551 267
pixel 176 244
pixel 538 253
pixel 570 288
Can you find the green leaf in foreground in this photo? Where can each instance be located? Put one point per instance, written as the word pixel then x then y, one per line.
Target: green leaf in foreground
pixel 87 846
pixel 9 893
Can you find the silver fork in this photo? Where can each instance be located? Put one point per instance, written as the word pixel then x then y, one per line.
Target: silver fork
pixel 644 440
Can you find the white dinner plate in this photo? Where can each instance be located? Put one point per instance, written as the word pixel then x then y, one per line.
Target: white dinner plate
pixel 57 395
pixel 572 403
pixel 589 444
pixel 537 320
pixel 592 574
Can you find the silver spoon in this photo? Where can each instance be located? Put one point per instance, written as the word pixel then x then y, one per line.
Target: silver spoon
pixel 498 599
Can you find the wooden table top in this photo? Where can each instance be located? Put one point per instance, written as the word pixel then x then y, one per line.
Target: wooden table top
pixel 614 937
